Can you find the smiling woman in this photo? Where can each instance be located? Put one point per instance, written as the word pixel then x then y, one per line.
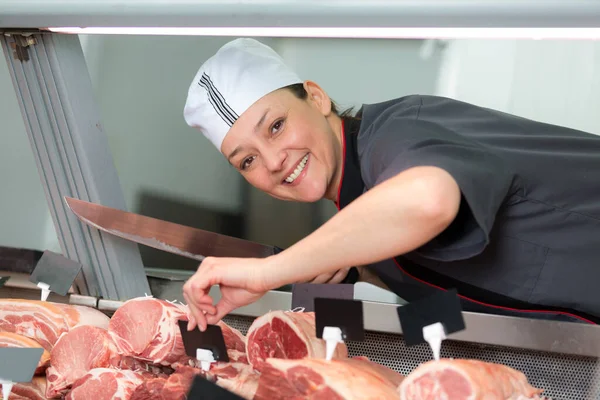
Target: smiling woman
pixel 433 193
pixel 287 146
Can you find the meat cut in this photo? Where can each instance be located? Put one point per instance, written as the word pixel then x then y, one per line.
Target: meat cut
pixel 138 354
pixel 34 390
pixel 174 387
pixel 362 362
pixel 82 349
pixel 44 321
pixel 238 378
pixel 76 352
pixel 8 339
pixel 234 340
pixel 319 379
pixel 287 335
pixel 466 380
pixel 106 384
pixel 146 328
pixel 80 315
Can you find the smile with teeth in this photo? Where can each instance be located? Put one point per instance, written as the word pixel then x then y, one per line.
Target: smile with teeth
pixel 298 170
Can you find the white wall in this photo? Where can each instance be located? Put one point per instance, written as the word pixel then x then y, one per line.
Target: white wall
pixel 551 81
pixel 141 90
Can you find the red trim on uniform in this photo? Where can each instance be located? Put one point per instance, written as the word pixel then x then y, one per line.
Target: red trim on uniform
pixel 499 307
pixel 337 202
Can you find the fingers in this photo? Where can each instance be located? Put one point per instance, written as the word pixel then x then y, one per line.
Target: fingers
pixel 339 275
pixel 331 277
pixel 199 309
pixel 223 308
pixel 323 278
pixel 197 317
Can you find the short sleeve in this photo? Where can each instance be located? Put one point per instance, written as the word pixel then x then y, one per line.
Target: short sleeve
pixel 484 179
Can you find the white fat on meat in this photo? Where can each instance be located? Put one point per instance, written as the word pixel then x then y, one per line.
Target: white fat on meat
pixel 42 321
pixel 45 321
pixel 106 384
pixel 81 315
pixel 286 335
pixel 466 380
pixel 319 379
pixel 8 339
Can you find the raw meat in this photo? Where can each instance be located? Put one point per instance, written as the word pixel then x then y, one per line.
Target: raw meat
pixel 238 378
pixel 45 321
pixel 106 384
pixel 175 387
pixel 146 328
pixel 287 335
pixel 235 377
pixel 8 339
pixel 33 390
pixel 80 315
pixel 82 349
pixel 236 356
pixel 466 379
pixel 369 366
pixel 42 321
pixel 318 379
pixel 75 354
pixel 234 340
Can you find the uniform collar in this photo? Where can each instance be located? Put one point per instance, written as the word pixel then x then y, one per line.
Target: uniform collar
pixel 351 183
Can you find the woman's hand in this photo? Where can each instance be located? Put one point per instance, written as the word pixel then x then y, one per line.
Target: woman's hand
pixel 241 280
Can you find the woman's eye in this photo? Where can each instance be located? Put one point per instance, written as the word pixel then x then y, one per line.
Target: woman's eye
pixel 276 126
pixel 246 163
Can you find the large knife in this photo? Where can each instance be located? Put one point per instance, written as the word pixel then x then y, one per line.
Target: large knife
pixel 170 237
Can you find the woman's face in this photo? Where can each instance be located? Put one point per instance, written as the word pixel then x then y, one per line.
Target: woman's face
pixel 288 147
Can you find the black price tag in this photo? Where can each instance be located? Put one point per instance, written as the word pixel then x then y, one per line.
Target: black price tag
pixel 56 271
pixel 203 389
pixel 17 365
pixel 3 280
pixel 304 294
pixel 442 307
pixel 211 339
pixel 340 313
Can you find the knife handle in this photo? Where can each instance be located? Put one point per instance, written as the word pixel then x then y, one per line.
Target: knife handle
pixel 351 278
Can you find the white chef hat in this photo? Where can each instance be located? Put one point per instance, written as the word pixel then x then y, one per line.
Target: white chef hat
pixel 228 83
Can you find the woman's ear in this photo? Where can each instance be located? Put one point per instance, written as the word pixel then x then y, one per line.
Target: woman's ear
pixel 318 97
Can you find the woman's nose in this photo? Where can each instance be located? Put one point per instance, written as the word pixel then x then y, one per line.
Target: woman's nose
pixel 275 161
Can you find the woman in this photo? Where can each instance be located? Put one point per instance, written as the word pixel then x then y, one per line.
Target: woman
pixel 433 193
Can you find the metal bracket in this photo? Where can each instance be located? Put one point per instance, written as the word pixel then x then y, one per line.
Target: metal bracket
pixel 19 46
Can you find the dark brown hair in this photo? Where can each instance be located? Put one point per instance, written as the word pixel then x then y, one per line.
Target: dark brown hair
pixel 298 90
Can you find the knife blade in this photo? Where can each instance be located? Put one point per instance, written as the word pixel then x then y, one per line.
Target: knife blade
pixel 166 236
pixel 171 237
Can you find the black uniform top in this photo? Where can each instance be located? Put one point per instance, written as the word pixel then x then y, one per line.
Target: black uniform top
pixel 527 235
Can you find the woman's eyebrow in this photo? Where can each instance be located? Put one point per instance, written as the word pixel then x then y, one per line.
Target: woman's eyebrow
pixel 261 120
pixel 234 152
